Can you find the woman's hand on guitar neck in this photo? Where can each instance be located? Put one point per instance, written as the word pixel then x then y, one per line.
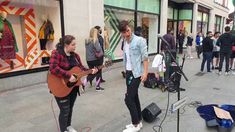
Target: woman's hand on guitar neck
pixel 72 79
pixel 94 70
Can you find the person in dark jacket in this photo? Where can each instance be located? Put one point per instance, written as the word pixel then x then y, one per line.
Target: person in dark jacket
pixel 172 48
pixel 207 48
pixel 180 39
pixel 225 42
pixel 189 45
pixel 101 41
pixel 199 39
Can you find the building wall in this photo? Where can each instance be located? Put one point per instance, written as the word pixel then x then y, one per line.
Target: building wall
pixel 80 16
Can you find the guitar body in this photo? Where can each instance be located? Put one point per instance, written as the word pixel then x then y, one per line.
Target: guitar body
pixel 58 86
pixel 61 87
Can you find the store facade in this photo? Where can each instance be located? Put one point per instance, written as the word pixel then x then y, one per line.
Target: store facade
pixel 180 17
pixel 143 14
pixel 30 30
pixel 28 20
pixel 37 26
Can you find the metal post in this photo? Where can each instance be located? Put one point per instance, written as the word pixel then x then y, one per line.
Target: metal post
pixel 62 17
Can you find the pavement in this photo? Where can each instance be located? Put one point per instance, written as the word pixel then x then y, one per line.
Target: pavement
pixel 32 108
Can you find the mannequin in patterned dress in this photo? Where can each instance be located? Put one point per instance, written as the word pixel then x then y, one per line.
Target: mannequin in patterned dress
pixel 8 45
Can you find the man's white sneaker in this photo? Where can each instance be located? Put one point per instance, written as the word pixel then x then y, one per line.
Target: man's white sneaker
pixel 132 129
pixel 219 73
pixel 71 129
pixel 226 73
pixel 131 125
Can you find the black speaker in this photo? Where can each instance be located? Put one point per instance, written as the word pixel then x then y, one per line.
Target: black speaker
pixel 151 112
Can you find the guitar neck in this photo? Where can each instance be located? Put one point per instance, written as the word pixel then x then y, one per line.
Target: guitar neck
pixel 90 70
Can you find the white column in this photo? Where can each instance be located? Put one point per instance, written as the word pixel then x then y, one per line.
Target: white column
pixel 194 27
pixel 163 21
pixel 211 21
pixel 223 23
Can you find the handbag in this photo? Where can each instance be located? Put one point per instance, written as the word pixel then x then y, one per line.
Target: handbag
pixel 233 48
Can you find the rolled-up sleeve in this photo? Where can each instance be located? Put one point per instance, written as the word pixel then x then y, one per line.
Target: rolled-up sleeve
pixel 143 49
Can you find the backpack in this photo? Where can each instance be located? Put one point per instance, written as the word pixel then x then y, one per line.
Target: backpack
pixel 151 81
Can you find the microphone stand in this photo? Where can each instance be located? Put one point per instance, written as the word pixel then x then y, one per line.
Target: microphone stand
pixel 178 71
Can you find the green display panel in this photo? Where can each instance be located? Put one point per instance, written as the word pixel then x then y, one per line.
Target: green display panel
pixel 151 6
pixel 170 13
pixel 128 4
pixel 175 14
pixel 185 15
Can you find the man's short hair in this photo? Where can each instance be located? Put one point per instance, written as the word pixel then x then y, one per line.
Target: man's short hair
pixel 227 29
pixel 208 32
pixel 122 25
pixel 216 33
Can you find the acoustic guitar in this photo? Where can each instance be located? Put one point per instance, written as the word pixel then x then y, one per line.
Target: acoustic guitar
pixel 61 87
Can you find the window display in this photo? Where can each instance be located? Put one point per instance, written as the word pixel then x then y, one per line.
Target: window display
pixel 149 25
pixel 8 46
pixel 29 30
pixel 112 19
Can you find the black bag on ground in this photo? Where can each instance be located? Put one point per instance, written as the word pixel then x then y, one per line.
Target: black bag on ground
pixel 151 81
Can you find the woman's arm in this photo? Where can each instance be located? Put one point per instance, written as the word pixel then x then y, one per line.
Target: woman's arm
pixel 55 68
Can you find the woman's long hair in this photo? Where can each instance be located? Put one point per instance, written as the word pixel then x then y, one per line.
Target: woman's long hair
pixel 93 36
pixel 66 40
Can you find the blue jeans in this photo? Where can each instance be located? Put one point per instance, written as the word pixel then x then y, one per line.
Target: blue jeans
pixel 207 57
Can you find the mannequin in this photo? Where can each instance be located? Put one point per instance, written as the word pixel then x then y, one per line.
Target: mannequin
pixel 46 34
pixel 8 46
pixel 106 38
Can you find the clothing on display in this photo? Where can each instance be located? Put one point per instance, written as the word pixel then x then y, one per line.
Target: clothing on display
pixel 8 46
pixel 46 33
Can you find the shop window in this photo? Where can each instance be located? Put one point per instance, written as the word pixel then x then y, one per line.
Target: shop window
pixel 112 19
pixel 29 31
pixel 202 22
pixel 175 14
pixel 185 26
pixel 170 13
pixel 149 25
pixel 217 23
pixel 150 6
pixel 185 14
pixel 128 4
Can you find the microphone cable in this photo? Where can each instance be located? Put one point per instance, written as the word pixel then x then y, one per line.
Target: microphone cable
pixel 88 129
pixel 167 108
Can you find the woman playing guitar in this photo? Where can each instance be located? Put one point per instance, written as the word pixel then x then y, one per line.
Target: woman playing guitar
pixel 62 60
